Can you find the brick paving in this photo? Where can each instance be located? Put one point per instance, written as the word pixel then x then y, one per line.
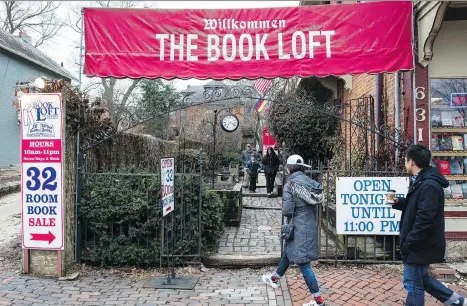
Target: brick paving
pixel 262 202
pixel 215 287
pixel 358 287
pixel 258 233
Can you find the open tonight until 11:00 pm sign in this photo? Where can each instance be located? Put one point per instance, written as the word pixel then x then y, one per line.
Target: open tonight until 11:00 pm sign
pixel 361 207
pixel 41 177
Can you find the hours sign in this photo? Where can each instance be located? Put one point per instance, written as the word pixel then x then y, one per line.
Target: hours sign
pixel 41 176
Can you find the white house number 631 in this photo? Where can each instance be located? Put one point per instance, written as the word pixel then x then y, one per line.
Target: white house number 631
pixel 420 113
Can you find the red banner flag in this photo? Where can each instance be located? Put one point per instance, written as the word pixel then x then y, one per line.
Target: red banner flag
pixel 371 37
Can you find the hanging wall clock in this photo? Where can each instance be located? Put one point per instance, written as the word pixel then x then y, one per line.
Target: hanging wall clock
pixel 229 123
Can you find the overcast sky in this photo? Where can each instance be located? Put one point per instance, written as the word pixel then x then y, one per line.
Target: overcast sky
pixel 64 47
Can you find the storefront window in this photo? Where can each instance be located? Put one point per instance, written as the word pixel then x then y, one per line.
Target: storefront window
pixel 448 98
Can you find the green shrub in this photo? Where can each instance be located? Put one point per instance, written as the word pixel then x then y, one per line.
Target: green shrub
pixel 228 158
pixel 212 219
pixel 122 219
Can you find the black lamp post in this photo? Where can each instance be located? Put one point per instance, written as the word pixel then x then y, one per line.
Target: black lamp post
pixel 214 138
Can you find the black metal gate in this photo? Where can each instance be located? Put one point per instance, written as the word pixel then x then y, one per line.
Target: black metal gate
pixel 366 151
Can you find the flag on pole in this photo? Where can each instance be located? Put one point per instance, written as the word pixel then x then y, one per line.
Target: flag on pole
pixel 262 85
pixel 260 104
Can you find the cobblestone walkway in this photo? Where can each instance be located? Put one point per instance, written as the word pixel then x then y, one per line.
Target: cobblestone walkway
pixel 358 287
pixel 258 232
pixel 263 203
pixel 215 287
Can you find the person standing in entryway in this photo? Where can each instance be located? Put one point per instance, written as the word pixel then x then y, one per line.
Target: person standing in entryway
pixel 246 156
pixel 271 165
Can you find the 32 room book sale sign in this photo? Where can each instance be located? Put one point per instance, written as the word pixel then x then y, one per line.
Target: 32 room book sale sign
pixel 41 178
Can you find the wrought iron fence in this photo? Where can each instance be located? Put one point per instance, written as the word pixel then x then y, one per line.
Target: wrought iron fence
pixel 364 150
pixel 120 220
pixel 369 151
pixel 122 225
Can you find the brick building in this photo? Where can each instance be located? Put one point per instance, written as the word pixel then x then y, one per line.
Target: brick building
pixel 194 117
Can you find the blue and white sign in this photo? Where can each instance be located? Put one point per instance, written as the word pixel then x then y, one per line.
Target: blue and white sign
pixel 167 185
pixel 361 207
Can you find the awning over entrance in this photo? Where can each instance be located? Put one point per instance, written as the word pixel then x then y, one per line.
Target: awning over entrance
pixel 319 41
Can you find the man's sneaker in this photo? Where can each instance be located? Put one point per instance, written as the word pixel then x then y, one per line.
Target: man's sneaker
pixel 267 279
pixel 461 301
pixel 314 303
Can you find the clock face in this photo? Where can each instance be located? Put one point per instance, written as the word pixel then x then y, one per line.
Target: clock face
pixel 229 123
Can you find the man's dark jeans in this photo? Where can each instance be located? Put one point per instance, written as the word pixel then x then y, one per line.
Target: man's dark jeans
pixel 270 178
pixel 417 281
pixel 253 180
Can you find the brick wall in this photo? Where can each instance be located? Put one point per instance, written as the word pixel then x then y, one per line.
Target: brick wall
pixel 365 85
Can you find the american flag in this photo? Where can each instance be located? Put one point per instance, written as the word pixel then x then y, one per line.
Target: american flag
pixel 262 85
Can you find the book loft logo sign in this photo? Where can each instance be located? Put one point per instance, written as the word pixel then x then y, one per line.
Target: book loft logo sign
pixel 35 115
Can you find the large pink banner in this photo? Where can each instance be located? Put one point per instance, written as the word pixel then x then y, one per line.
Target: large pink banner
pixel 321 40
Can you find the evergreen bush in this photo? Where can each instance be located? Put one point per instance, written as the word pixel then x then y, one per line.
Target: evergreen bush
pixel 122 218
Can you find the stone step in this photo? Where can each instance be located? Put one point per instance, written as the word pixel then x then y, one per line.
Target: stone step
pixel 241 260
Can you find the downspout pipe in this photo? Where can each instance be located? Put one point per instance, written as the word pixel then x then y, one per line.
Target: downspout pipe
pixel 397 94
pixel 378 106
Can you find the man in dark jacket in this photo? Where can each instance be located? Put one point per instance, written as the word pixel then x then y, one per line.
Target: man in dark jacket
pixel 422 240
pixel 246 156
pixel 271 165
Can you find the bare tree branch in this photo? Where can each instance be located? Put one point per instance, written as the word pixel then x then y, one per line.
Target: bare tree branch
pixel 117 94
pixel 31 16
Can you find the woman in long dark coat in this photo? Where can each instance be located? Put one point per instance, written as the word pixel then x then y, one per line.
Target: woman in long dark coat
pixel 300 199
pixel 271 165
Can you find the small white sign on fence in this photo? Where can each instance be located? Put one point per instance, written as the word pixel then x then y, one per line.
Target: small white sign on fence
pixel 167 185
pixel 361 207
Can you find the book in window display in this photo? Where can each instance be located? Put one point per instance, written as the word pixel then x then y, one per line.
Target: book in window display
pixel 445 143
pixel 436 119
pixel 435 141
pixel 446 119
pixel 456 167
pixel 464 190
pixel 458 121
pixel 457 142
pixel 456 191
pixel 447 192
pixel 443 166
